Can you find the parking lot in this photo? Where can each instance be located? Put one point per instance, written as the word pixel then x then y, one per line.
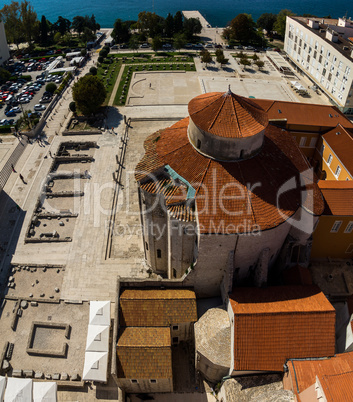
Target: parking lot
pixel 19 96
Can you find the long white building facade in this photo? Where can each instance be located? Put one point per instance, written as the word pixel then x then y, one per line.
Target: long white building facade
pixel 323 50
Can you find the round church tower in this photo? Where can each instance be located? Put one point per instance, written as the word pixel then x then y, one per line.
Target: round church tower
pixel 225 126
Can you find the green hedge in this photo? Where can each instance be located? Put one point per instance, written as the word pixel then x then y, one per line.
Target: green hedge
pixel 5 129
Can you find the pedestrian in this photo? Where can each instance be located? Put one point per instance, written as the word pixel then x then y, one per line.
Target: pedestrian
pixel 22 178
pixel 13 168
pixel 150 84
pixel 50 154
pixel 113 130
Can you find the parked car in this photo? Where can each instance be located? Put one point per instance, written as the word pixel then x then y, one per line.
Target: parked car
pixel 45 100
pixel 209 46
pixel 10 113
pixel 39 107
pixel 4 122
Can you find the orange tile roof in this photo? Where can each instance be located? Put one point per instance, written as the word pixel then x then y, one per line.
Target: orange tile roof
pixel 341 143
pixel 227 115
pixel 305 114
pixel 144 353
pixel 338 196
pixel 277 323
pixel 338 387
pixel 303 373
pixel 157 308
pixel 247 190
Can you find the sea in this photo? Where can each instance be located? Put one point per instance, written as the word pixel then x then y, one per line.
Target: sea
pixel 217 13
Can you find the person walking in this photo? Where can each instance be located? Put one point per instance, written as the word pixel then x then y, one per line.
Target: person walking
pixel 22 178
pixel 13 168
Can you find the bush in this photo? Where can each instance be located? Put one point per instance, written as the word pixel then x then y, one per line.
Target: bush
pixel 104 52
pixel 26 77
pixel 51 87
pixel 72 107
pixel 83 52
pixel 93 70
pixel 100 59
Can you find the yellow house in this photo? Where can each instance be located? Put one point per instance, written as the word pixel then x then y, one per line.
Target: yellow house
pixel 333 235
pixel 333 159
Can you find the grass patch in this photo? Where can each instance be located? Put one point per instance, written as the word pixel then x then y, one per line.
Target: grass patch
pixel 108 72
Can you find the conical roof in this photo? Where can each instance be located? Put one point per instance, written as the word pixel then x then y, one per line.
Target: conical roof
pixel 227 115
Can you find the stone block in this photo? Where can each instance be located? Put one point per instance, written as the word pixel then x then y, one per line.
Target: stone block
pixel 48 376
pixel 75 377
pixel 64 377
pixel 28 373
pixel 56 376
pixel 38 375
pixel 17 373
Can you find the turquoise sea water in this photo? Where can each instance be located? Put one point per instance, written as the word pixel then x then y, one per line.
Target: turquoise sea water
pixel 217 13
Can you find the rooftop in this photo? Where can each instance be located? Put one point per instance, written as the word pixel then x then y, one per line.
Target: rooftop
pixel 336 370
pixel 157 308
pixel 255 181
pixel 341 142
pixel 338 196
pixel 227 115
pixel 276 323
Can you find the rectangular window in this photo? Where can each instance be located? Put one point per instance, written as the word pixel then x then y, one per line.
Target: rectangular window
pixel 312 143
pixel 146 245
pixel 302 142
pixel 322 149
pixel 153 381
pixel 349 227
pixel 338 171
pixel 174 273
pixel 329 160
pixel 159 253
pixel 175 327
pixel 134 382
pixel 336 227
pixel 175 340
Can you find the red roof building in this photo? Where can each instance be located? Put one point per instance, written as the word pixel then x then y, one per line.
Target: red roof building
pixel 274 324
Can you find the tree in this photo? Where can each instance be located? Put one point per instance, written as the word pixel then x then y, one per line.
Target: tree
pixel 10 15
pixel 57 37
pixel 220 57
pixel 244 62
pixel 89 94
pixel 179 41
pixel 104 52
pixel 43 28
pixel 178 22
pixel 156 43
pixel 242 28
pixel 150 23
pixel 62 25
pixel 72 107
pixel 100 59
pixel 121 31
pixel 192 26
pixel 255 57
pixel 29 19
pixel 78 24
pixel 4 75
pixel 88 35
pixel 133 43
pixel 169 26
pixel 266 21
pixel 280 25
pixel 206 57
pixel 260 64
pixel 51 87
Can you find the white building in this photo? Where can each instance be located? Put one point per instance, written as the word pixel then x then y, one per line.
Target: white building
pixel 4 49
pixel 323 50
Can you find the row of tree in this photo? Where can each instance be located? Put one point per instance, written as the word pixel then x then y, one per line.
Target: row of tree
pixel 22 25
pixel 150 25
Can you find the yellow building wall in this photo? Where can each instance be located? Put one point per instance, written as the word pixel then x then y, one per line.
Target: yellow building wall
pixel 331 169
pixel 334 245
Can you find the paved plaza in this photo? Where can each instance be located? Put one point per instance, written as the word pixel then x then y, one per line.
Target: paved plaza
pixel 105 233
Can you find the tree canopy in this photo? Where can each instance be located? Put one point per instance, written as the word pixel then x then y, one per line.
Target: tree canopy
pixel 121 31
pixel 242 28
pixel 89 94
pixel 266 21
pixel 280 24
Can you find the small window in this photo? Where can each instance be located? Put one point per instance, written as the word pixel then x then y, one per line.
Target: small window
pixel 349 227
pixel 198 146
pixel 338 171
pixel 174 273
pixel 175 340
pixel 322 149
pixel 134 382
pixel 175 327
pixel 153 381
pixel 336 226
pixel 329 160
pixel 146 244
pixel 312 143
pixel 159 253
pixel 302 142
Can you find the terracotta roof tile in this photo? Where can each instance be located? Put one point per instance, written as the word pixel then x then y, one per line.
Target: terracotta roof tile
pixel 143 308
pixel 338 196
pixel 304 114
pixel 144 353
pixel 277 323
pixel 337 387
pixel 152 337
pixel 341 143
pixel 248 188
pixel 304 373
pixel 227 115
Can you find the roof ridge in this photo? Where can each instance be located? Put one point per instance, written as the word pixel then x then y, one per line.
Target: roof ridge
pixel 217 114
pixel 236 115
